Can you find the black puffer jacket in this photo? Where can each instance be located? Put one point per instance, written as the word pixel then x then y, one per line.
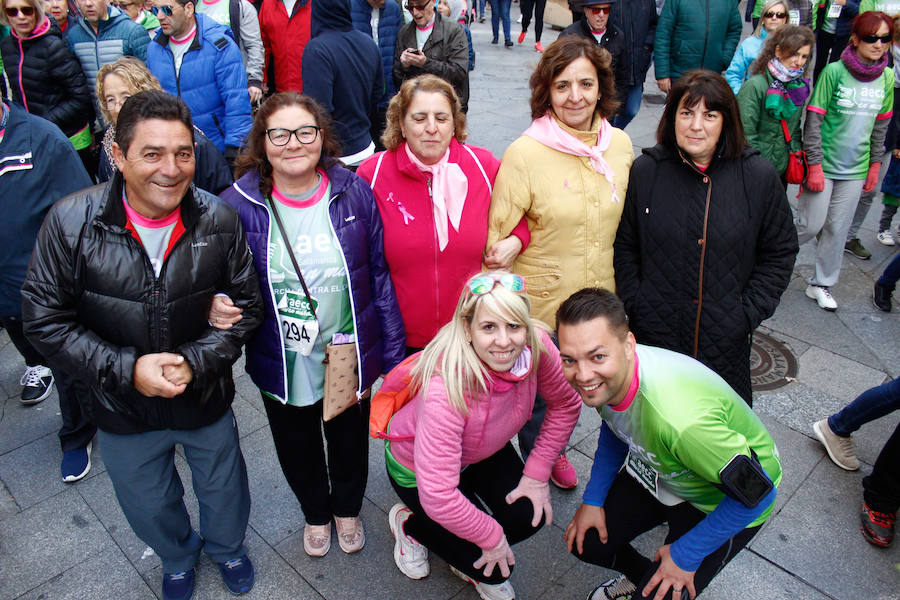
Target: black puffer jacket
pixel 613 41
pixel 702 258
pixel 52 84
pixel 92 306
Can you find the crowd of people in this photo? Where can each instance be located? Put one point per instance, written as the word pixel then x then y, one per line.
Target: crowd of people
pixel 292 179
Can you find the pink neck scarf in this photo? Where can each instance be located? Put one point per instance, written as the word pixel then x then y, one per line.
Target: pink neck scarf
pixel 548 132
pixel 449 187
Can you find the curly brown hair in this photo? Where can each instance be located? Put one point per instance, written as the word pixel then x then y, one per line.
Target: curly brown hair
pixel 559 55
pixel 393 136
pixel 253 156
pixel 790 39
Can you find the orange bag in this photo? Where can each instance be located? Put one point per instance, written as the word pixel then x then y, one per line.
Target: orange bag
pixel 391 397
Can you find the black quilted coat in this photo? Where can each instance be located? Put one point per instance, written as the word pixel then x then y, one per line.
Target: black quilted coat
pixel 702 258
pixel 52 84
pixel 92 305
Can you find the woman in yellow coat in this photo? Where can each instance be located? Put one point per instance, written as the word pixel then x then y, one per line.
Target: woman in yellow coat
pixel 567 174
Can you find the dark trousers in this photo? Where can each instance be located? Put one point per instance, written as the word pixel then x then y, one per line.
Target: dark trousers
pixel 891 274
pixel 324 489
pixel 828 50
pixel 486 485
pixel 881 489
pixel 630 511
pixel 537 7
pixel 76 431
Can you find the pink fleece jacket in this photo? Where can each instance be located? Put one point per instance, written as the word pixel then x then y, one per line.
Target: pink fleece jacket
pixel 446 440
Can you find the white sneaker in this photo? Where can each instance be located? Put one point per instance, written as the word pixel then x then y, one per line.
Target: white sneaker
pixel 488 591
pixel 822 297
pixel 617 588
pixel 410 556
pixel 886 238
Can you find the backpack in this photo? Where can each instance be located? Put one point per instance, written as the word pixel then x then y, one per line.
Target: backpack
pixel 391 396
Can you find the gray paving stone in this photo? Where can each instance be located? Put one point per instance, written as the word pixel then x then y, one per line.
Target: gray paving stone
pixel 589 422
pixel 31 472
pixel 247 390
pixel 374 574
pixel 11 368
pixel 799 456
pixel 378 489
pixel 8 506
pixel 816 537
pixel 20 424
pixel 768 582
pixel 249 419
pixel 879 331
pixel 47 539
pixel 836 376
pixel 81 582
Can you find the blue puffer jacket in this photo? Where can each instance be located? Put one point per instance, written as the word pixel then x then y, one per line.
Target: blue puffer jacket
pixel 381 343
pixel 211 81
pixel 389 23
pixel 116 36
pixel 737 72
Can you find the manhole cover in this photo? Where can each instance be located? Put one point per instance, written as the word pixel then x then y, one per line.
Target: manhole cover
pixel 772 364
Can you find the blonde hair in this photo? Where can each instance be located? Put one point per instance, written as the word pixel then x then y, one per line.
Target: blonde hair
pixel 130 70
pixel 450 355
pixel 393 136
pixel 759 26
pixel 37 5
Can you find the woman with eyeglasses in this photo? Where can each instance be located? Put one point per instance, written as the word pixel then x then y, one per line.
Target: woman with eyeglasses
pixel 433 193
pixel 772 100
pixel 44 76
pixel 774 15
pixel 118 81
pixel 465 493
pixel 301 207
pixel 846 122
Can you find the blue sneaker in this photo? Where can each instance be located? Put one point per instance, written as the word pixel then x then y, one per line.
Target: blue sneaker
pixel 76 463
pixel 178 586
pixel 237 574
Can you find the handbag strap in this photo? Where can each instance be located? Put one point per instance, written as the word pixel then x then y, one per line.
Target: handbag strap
pixel 784 128
pixel 287 244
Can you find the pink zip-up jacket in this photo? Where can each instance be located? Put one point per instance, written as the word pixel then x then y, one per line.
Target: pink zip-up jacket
pixel 446 440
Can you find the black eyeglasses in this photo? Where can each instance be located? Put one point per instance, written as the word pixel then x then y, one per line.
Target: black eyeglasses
pixel 280 136
pixel 871 39
pixel 411 7
pixel 27 11
pixel 166 10
pixel 775 15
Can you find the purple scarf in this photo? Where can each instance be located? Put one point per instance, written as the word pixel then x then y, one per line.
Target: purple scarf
pixel 858 69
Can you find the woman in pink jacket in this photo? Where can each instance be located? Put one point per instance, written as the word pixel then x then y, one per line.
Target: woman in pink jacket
pixel 448 450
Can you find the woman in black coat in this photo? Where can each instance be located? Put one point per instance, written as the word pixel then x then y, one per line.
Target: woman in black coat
pixel 44 75
pixel 706 243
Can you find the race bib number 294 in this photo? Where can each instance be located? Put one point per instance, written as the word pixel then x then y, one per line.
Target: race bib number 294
pixel 298 325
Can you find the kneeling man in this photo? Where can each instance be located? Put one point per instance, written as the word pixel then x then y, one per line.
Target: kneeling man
pixel 677 446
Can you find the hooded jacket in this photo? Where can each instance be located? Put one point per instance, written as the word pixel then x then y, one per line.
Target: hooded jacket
pixel 702 258
pixel 696 34
pixel 92 305
pixel 342 71
pixel 381 344
pixel 211 81
pixel 284 37
pixel 116 36
pixel 46 78
pixel 389 22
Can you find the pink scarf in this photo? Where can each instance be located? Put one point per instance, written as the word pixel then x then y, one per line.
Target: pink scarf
pixel 449 187
pixel 548 132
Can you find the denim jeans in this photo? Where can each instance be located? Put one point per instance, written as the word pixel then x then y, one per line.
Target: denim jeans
pixel 868 406
pixel 500 9
pixel 891 274
pixel 631 104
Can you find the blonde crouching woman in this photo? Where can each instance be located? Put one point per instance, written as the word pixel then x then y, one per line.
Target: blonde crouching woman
pixel 466 495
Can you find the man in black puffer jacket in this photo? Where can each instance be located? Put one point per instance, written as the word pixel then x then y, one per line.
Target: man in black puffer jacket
pixel 595 26
pixel 117 294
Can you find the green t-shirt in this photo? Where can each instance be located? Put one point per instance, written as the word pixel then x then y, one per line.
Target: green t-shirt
pixel 683 426
pixel 216 10
pixel 321 261
pixel 850 108
pixel 889 7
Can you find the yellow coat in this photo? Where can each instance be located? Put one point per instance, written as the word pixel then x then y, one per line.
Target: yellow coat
pixel 570 213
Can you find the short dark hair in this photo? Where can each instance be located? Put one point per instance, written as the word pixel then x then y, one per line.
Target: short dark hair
pixel 150 104
pixel 559 55
pixel 592 303
pixel 702 84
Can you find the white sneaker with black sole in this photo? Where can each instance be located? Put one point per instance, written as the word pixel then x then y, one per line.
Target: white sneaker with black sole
pixel 822 296
pixel 37 383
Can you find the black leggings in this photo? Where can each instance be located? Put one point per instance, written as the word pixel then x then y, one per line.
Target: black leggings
pixel 536 6
pixel 486 485
pixel 630 511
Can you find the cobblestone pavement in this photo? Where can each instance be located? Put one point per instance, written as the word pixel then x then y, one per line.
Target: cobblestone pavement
pixel 72 541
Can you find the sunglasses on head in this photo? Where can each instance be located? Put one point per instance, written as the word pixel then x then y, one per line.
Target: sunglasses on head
pixel 775 15
pixel 27 11
pixel 871 39
pixel 166 10
pixel 485 283
pixel 598 10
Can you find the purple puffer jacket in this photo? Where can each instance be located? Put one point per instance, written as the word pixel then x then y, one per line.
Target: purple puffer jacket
pixel 381 342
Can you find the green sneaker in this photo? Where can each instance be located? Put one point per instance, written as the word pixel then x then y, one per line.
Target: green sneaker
pixel 856 248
